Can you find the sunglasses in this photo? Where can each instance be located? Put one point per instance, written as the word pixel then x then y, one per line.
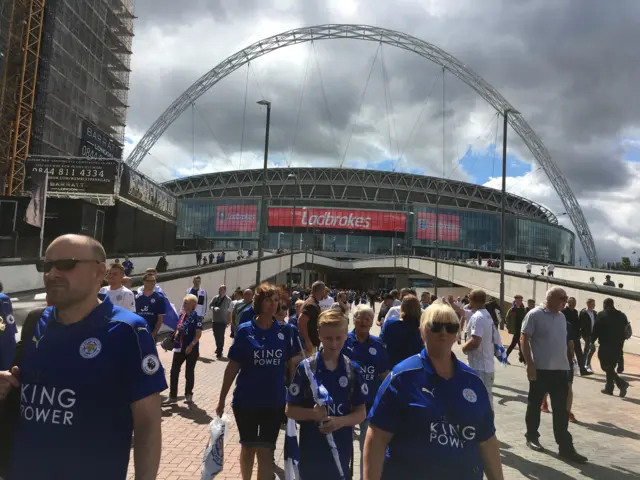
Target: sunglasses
pixel 65 265
pixel 436 327
pixel 284 307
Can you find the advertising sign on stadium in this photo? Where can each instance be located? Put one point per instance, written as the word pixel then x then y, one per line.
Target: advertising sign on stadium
pixel 342 219
pixel 139 190
pixel 77 176
pixel 448 231
pixel 236 218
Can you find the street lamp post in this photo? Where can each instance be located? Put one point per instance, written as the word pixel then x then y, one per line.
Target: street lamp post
pixel 263 201
pixel 503 200
pixel 409 239
pixel 437 256
pixel 293 230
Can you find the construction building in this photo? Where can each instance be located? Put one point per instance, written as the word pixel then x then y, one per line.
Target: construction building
pixel 64 75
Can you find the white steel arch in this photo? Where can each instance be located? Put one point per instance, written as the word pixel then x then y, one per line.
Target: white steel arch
pixel 396 39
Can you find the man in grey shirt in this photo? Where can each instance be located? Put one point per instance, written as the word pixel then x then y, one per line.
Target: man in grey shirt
pixel 544 346
pixel 221 318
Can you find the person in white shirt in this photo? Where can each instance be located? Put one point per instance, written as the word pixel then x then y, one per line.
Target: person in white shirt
pixel 528 267
pixel 201 294
pixel 118 293
pixel 479 346
pixel 327 301
pixel 550 269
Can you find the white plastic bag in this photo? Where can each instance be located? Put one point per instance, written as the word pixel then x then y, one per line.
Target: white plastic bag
pixel 576 368
pixel 213 458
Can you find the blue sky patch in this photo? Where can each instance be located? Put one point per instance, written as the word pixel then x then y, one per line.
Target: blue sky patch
pixel 482 165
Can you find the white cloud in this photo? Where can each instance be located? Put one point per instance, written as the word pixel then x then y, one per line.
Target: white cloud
pixel 170 54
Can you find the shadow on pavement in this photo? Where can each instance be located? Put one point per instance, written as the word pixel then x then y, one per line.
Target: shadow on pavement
pixel 635 401
pixel 511 389
pixel 206 360
pixel 504 399
pixel 540 470
pixel 610 429
pixel 192 412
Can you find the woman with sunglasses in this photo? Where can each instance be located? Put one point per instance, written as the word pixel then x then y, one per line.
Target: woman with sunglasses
pixel 402 335
pixel 433 414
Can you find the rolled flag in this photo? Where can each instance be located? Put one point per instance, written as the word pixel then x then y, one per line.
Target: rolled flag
pixel 171 317
pixel 321 397
pixel 498 349
pixel 291 452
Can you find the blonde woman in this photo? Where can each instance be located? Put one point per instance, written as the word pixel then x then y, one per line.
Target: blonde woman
pixel 186 348
pixel 433 413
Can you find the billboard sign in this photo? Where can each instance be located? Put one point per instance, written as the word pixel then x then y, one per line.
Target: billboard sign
pixel 77 176
pixel 94 143
pixel 236 218
pixel 448 231
pixel 145 193
pixel 342 219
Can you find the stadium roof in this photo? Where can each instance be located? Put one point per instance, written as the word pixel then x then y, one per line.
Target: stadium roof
pixel 356 185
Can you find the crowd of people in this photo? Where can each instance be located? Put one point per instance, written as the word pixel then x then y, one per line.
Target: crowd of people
pixel 86 376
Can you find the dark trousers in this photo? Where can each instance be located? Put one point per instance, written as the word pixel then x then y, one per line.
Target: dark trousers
pixel 621 363
pixel 515 341
pixel 190 372
pixel 608 362
pixel 219 329
pixel 580 356
pixel 612 378
pixel 589 351
pixel 556 384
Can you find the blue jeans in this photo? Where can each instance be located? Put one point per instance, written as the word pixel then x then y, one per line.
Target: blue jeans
pixel 364 426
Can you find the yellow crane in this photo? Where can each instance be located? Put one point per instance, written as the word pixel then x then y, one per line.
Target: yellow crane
pixel 24 20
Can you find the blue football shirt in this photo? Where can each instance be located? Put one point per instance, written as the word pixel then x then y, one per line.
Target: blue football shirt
pixel 293 320
pixel 78 382
pixel 247 315
pixel 7 333
pixel 316 460
pixel 8 330
pixel 187 332
pixel 437 424
pixel 372 358
pixel 262 355
pixel 402 340
pixel 149 307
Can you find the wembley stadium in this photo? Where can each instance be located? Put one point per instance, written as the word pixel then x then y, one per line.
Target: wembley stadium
pixel 358 212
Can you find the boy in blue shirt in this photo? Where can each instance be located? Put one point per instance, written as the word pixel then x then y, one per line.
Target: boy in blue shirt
pixel 347 391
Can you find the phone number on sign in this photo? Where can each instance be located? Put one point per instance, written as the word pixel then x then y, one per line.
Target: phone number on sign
pixel 71 172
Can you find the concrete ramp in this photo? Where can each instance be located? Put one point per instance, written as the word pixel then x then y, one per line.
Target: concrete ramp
pixel 242 274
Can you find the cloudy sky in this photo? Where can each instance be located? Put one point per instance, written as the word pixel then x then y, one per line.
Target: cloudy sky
pixel 571 67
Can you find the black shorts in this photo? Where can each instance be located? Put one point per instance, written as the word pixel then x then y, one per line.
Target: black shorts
pixel 258 427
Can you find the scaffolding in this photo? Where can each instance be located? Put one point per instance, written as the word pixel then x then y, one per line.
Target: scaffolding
pixel 61 65
pixel 85 73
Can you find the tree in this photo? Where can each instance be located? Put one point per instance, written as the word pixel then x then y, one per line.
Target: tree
pixel 625 263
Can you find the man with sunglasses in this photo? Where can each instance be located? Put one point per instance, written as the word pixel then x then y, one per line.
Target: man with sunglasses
pixel 87 378
pixel 544 347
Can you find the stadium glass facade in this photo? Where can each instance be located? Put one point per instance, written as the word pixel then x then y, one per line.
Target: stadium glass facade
pixel 369 228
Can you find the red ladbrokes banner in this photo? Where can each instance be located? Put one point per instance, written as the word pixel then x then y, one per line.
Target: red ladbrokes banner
pixel 449 229
pixel 236 218
pixel 343 219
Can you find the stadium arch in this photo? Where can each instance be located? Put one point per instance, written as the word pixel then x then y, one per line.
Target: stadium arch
pixel 399 40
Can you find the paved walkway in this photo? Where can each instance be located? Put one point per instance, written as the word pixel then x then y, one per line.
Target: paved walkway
pixel 608 432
